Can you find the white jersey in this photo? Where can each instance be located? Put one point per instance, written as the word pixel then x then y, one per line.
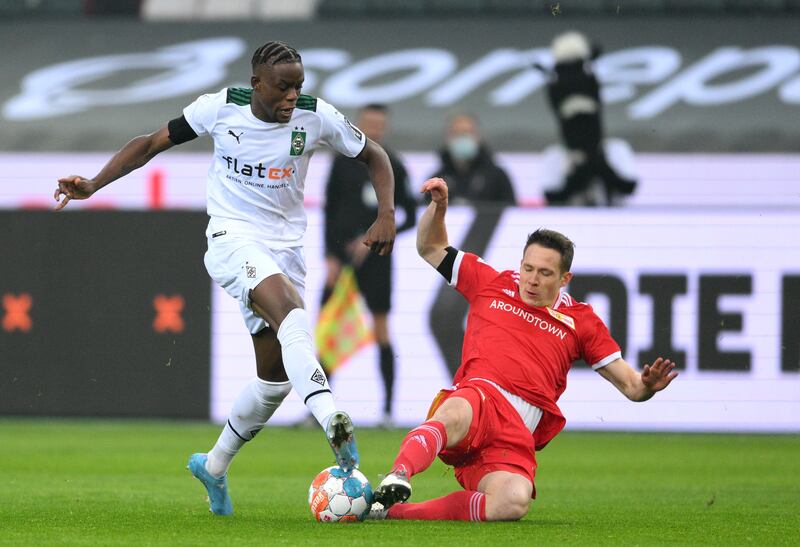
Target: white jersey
pixel 256 183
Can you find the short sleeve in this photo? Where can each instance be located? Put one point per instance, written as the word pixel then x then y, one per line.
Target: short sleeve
pixel 598 348
pixel 338 133
pixel 202 113
pixel 471 274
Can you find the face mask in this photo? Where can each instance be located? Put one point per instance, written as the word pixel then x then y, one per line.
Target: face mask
pixel 463 147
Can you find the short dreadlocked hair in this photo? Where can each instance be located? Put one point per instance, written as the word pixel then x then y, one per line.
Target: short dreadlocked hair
pixel 275 53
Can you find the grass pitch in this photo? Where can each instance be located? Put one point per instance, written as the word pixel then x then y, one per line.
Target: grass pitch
pixel 74 482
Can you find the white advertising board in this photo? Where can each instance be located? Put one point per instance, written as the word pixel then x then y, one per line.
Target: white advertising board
pixel 705 259
pixel 176 180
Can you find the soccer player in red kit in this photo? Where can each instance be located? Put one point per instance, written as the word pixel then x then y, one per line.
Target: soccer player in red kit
pixel 523 334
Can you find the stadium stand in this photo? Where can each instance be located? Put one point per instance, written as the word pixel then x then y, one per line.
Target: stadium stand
pixel 545 8
pixel 41 8
pixel 46 9
pixel 224 10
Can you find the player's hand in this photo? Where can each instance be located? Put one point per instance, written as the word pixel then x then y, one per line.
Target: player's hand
pixel 357 252
pixel 438 189
pixel 73 187
pixel 380 236
pixel 658 375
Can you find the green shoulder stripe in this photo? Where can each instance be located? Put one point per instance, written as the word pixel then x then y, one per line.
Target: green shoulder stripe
pixel 239 95
pixel 306 102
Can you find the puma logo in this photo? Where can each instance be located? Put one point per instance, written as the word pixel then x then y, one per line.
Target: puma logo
pixel 235 136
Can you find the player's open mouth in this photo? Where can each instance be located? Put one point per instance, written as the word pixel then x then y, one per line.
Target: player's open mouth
pixel 286 111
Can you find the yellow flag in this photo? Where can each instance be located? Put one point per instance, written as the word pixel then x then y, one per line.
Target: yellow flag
pixel 342 327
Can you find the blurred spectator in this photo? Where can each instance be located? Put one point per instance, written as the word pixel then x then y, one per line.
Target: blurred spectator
pixel 350 206
pixel 574 95
pixel 469 167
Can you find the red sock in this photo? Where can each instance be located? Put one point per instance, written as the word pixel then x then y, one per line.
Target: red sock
pixel 420 447
pixel 463 505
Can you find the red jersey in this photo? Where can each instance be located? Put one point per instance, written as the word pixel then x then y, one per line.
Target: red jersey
pixel 526 350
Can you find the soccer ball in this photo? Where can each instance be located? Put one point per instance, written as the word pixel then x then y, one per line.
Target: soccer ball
pixel 336 495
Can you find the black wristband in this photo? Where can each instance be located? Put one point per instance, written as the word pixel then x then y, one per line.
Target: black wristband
pixel 445 267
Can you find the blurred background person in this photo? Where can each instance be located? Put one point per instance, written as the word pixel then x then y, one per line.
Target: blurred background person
pixel 574 95
pixel 469 166
pixel 349 203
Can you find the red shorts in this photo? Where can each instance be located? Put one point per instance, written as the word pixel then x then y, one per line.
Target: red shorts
pixel 497 439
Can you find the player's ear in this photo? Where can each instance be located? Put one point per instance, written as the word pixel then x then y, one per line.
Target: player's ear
pixel 254 81
pixel 566 278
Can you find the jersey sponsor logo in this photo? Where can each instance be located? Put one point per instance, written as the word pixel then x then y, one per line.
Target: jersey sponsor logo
pixel 529 317
pixel 278 173
pixel 566 319
pixel 261 171
pixel 235 136
pixel 298 142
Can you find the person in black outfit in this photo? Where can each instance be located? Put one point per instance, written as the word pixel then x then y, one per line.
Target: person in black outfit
pixel 469 168
pixel 350 204
pixel 574 95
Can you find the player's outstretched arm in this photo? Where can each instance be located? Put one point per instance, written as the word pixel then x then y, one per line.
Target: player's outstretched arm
pixel 380 236
pixel 432 232
pixel 638 386
pixel 133 155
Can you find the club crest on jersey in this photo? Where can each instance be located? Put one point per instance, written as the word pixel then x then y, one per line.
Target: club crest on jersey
pixel 298 143
pixel 318 377
pixel 567 320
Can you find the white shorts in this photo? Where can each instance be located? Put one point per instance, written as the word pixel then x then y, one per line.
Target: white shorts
pixel 238 264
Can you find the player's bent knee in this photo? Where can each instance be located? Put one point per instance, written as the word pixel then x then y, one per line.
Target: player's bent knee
pixel 510 506
pixel 508 496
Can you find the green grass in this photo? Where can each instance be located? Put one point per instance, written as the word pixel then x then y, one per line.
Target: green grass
pixel 74 482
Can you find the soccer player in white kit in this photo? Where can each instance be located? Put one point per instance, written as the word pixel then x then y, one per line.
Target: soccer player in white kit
pixel 263 140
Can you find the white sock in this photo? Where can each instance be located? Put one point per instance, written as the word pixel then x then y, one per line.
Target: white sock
pixel 254 406
pixel 302 367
